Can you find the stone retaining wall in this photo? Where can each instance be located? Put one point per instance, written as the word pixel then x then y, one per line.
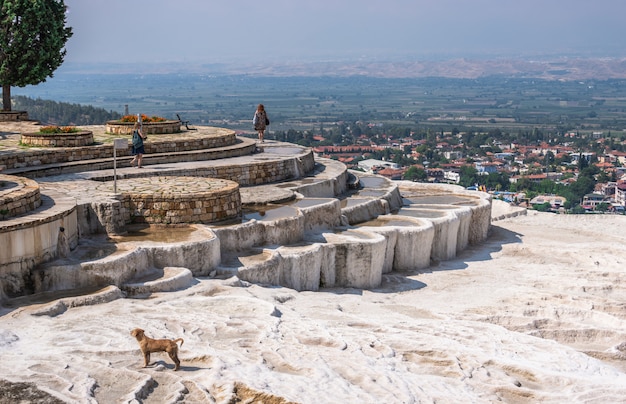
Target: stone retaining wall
pixel 186 200
pixel 202 209
pixel 21 195
pixel 76 139
pixel 149 128
pixel 12 116
pixel 33 158
pixel 103 216
pixel 255 173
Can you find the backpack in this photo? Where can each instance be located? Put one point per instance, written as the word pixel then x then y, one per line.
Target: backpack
pixel 137 140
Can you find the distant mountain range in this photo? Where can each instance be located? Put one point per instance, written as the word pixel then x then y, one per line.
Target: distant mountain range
pixel 567 69
pixel 557 69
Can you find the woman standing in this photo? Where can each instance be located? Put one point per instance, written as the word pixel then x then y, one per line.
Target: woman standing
pixel 260 121
pixel 138 149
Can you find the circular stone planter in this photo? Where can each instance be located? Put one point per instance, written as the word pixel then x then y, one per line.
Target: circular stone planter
pixel 177 200
pixel 149 128
pixel 74 139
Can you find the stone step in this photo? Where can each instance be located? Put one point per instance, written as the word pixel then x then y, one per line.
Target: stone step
pixel 244 147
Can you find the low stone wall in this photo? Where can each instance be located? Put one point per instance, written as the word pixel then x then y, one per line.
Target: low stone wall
pixel 148 128
pixel 76 139
pixel 106 215
pixel 175 200
pixel 252 173
pixel 34 158
pixel 12 116
pixel 17 196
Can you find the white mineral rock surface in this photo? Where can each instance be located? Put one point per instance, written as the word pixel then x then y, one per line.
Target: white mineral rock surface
pixel 536 313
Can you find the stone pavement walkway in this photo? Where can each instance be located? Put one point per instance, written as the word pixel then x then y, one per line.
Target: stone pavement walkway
pixel 90 185
pixel 10 134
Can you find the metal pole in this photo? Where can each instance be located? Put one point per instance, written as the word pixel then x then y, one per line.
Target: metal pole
pixel 117 144
pixel 114 169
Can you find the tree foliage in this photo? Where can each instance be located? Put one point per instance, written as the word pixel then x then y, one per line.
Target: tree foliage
pixel 63 113
pixel 469 176
pixel 32 40
pixel 415 174
pixel 542 207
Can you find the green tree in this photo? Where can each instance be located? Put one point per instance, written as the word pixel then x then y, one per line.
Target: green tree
pixel 602 207
pixel 603 176
pixel 582 186
pixel 548 160
pixel 469 176
pixel 497 181
pixel 415 174
pixel 546 187
pixel 582 162
pixel 543 207
pixel 32 40
pixel 63 113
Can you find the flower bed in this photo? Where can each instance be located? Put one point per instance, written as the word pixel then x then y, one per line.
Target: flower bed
pixel 126 128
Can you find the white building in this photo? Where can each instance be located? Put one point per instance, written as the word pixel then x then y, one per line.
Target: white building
pixel 369 164
pixel 452 176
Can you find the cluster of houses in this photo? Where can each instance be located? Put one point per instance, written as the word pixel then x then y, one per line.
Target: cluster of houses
pixel 517 161
pixel 611 194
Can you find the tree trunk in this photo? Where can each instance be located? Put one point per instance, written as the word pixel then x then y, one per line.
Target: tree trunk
pixel 6 97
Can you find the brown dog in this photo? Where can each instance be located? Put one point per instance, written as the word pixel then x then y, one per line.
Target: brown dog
pixel 148 345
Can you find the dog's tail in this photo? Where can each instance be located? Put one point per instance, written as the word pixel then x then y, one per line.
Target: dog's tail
pixel 179 339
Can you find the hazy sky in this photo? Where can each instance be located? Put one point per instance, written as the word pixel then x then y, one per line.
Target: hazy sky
pixel 217 31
